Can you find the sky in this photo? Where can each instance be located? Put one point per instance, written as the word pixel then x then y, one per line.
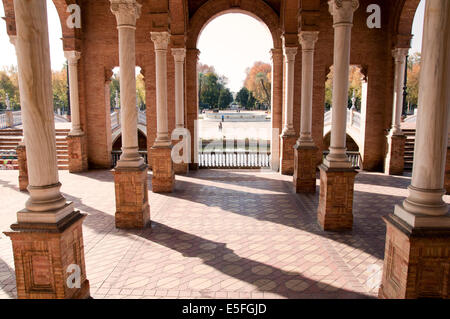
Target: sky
pixel 231 43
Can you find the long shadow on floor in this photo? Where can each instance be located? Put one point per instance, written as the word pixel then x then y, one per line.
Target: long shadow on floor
pixel 4 268
pixel 275 280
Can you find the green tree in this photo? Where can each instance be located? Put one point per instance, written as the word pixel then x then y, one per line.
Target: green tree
pixel 413 80
pixel 59 87
pixel 9 84
pixel 225 98
pixel 251 101
pixel 242 97
pixel 210 90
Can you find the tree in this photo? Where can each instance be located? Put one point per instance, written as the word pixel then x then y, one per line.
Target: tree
pixel 210 91
pixel 242 97
pixel 9 84
pixel 251 101
pixel 258 81
pixel 59 87
pixel 413 80
pixel 140 88
pixel 355 87
pixel 225 98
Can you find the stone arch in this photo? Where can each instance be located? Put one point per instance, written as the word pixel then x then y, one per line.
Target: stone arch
pixel 142 139
pixel 257 9
pixel 403 21
pixel 353 144
pixel 70 37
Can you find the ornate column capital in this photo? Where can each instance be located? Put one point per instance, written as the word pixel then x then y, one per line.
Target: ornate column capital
pixel 400 54
pixel 72 57
pixel 160 39
pixel 126 12
pixel 179 54
pixel 308 39
pixel 290 53
pixel 342 10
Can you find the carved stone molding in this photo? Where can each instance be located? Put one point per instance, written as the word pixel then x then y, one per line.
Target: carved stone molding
pixel 72 57
pixel 342 10
pixel 179 54
pixel 160 39
pixel 400 54
pixel 126 12
pixel 308 39
pixel 290 53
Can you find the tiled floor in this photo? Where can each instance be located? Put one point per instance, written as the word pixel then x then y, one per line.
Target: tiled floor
pixel 221 234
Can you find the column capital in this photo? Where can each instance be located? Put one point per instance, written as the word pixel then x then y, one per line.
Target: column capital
pixel 342 10
pixel 308 39
pixel 290 53
pixel 126 12
pixel 400 54
pixel 72 57
pixel 160 39
pixel 179 54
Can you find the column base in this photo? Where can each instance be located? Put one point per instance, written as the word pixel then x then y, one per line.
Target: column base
pixel 395 156
pixel 447 172
pixel 163 180
pixel 287 154
pixel 305 169
pixel 23 169
pixel 78 160
pixel 416 262
pixel 335 212
pixel 47 258
pixel 132 207
pixel 182 168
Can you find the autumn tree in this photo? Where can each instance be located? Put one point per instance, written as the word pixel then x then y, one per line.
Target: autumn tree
pixel 355 87
pixel 412 99
pixel 258 82
pixel 212 88
pixel 60 89
pixel 9 84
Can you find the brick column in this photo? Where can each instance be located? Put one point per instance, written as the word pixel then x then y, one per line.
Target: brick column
pixel 305 149
pixel 277 106
pixel 179 55
pixel 76 140
pixel 192 56
pixel 288 137
pixel 417 255
pixel 395 157
pixel 23 170
pixel 130 174
pixel 163 180
pixel 337 176
pixel 47 238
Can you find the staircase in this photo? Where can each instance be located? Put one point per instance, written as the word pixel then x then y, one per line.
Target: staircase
pixel 409 148
pixel 10 139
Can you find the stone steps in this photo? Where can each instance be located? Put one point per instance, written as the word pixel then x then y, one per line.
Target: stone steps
pixel 10 139
pixel 409 148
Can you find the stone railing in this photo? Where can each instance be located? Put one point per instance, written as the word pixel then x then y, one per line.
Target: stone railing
pixel 353 119
pixel 234 160
pixel 10 119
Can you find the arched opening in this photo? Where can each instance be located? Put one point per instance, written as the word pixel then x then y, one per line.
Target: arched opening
pixel 356 110
pixel 234 91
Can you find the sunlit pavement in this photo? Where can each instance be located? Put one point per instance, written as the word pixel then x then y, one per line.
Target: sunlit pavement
pixel 221 234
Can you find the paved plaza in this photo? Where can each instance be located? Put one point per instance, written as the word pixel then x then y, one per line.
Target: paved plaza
pixel 221 234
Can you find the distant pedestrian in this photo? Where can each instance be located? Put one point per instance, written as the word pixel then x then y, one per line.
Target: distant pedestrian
pixel 223 118
pixel 220 126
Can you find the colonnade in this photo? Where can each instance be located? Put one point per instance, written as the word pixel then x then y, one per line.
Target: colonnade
pixel 420 223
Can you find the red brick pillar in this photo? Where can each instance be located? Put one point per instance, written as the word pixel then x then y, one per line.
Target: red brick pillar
pixel 163 180
pixel 78 161
pixel 23 169
pixel 447 172
pixel 305 169
pixel 277 106
pixel 395 157
pixel 287 154
pixel 335 212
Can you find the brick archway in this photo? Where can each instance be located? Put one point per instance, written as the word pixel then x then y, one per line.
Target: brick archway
pixel 403 21
pixel 212 9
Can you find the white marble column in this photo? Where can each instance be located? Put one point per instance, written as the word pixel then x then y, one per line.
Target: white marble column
pixel 72 59
pixel 289 55
pixel 424 206
pixel 342 12
pixel 46 204
pixel 127 12
pixel 399 55
pixel 179 55
pixel 161 41
pixel 308 41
